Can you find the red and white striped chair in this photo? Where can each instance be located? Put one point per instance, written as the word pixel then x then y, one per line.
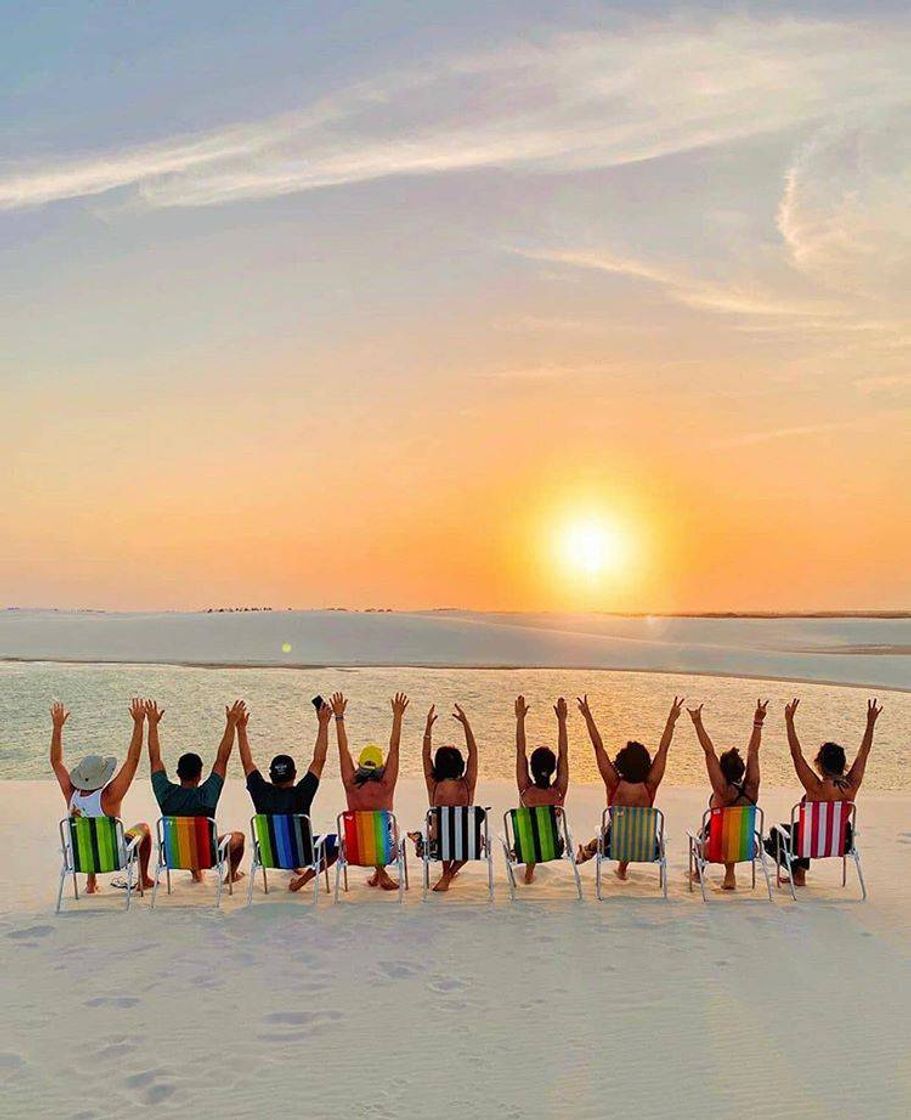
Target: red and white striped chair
pixel 820 830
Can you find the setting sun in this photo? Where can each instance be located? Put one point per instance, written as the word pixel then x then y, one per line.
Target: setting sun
pixel 592 546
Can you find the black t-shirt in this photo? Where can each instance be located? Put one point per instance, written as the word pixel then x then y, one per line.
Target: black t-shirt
pixel 268 798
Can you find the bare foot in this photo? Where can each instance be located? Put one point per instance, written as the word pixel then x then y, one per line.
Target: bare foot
pixel 301 880
pixel 694 875
pixel 729 884
pixel 384 880
pixel 92 888
pixel 374 879
pixel 529 874
pixel 443 884
pixel 621 873
pixel 196 876
pixel 582 856
pixel 235 878
pixel 148 883
pixel 799 877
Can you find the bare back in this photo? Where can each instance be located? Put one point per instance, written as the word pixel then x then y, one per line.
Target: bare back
pixel 370 796
pixel 632 795
pixel 451 791
pixel 533 795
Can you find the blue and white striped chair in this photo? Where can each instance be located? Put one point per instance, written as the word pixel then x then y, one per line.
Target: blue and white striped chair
pixel 457 832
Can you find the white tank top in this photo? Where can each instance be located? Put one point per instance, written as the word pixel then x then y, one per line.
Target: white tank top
pixel 87 804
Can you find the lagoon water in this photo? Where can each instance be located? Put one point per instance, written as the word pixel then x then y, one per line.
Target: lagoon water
pixel 626 705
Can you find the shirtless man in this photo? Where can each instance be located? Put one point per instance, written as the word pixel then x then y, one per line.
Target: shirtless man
pixel 91 789
pixel 370 784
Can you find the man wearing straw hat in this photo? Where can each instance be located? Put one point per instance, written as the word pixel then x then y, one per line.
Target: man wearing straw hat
pixel 91 789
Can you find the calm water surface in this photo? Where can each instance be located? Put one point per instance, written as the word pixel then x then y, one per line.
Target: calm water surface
pixel 626 705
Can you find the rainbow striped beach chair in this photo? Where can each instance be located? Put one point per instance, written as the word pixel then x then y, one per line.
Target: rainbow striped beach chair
pixel 537 834
pixel 728 835
pixel 819 830
pixel 96 846
pixel 457 832
pixel 632 834
pixel 370 839
pixel 285 842
pixel 190 844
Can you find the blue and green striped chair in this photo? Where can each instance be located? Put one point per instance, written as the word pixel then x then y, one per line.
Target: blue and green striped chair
pixel 630 834
pixel 537 834
pixel 285 842
pixel 97 846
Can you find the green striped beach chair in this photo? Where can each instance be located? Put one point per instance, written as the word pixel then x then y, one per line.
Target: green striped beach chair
pixel 539 834
pixel 96 846
pixel 285 842
pixel 631 834
pixel 728 835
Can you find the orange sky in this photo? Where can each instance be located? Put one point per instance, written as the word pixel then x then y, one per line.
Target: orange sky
pixel 348 358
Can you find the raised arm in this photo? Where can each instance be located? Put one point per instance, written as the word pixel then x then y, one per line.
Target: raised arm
pixel 751 777
pixel 605 766
pixel 716 778
pixel 120 783
pixel 399 703
pixel 338 704
pixel 523 777
pixel 805 773
pixel 321 748
pixel 856 773
pixel 656 773
pixel 243 744
pixel 562 781
pixel 471 769
pixel 59 716
pixel 232 716
pixel 153 715
pixel 427 750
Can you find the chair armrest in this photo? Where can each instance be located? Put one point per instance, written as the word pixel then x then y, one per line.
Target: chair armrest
pixel 132 844
pixel 223 845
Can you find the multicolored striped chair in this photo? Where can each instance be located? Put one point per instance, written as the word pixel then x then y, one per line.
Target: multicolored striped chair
pixel 537 834
pixel 457 832
pixel 96 846
pixel 631 834
pixel 190 844
pixel 370 839
pixel 728 835
pixel 285 842
pixel 820 830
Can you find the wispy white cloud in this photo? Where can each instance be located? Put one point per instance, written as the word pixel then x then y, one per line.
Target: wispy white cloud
pixel 577 101
pixel 747 439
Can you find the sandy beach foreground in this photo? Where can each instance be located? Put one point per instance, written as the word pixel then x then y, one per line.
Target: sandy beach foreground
pixel 544 1008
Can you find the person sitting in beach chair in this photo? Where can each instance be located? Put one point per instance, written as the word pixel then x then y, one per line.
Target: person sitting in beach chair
pixel 370 784
pixel 283 794
pixel 193 797
pixel 827 783
pixel 633 778
pixel 91 789
pixel 733 781
pixel 537 784
pixel 450 782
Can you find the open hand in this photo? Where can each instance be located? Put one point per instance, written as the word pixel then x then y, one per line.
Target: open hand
pixel 459 716
pixel 432 717
pixel 521 708
pixel 790 709
pixel 153 713
pixel 323 714
pixel 235 712
pixel 338 704
pixel 873 711
pixel 59 714
pixel 561 710
pixel 243 719
pixel 399 703
pixel 137 710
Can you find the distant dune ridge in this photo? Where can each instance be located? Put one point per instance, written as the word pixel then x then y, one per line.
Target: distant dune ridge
pixel 862 650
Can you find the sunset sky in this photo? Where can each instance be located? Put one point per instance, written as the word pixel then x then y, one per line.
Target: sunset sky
pixel 411 305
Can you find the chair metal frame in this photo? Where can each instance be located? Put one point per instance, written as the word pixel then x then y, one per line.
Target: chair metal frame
pixel 128 853
pixel 660 842
pixel 317 847
pixel 399 859
pixel 785 850
pixel 222 861
pixel 698 841
pixel 487 848
pixel 508 840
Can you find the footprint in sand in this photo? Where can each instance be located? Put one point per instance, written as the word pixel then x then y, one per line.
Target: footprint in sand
pixel 445 984
pixel 290 1026
pixel 151 1088
pixel 112 1001
pixel 30 933
pixel 396 970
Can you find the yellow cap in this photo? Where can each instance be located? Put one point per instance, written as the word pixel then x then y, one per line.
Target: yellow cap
pixel 371 757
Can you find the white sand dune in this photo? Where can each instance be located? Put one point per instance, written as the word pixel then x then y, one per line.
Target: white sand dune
pixel 778 648
pixel 544 1008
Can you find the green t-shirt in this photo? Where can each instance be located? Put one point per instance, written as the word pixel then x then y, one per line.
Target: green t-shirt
pixel 183 801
